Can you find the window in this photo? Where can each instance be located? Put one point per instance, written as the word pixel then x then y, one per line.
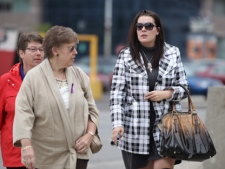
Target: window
pixel 21 5
pixel 14 5
pixel 5 6
pixel 219 7
pixel 220 48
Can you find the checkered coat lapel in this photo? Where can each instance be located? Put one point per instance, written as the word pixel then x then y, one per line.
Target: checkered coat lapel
pixel 139 68
pixel 127 105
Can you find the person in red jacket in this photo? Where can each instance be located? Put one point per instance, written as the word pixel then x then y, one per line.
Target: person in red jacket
pixel 30 51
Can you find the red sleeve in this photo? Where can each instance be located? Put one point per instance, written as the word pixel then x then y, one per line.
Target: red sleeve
pixel 2 100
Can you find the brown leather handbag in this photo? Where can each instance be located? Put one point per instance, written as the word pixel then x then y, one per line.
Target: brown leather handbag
pixel 184 136
pixel 96 144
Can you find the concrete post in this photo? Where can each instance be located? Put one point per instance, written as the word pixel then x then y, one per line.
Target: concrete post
pixel 108 28
pixel 215 117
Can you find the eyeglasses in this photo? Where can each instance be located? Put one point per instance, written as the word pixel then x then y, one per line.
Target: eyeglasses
pixel 148 26
pixel 34 50
pixel 72 48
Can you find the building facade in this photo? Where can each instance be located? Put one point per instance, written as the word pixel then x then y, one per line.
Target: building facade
pixel 87 17
pixel 214 11
pixel 22 15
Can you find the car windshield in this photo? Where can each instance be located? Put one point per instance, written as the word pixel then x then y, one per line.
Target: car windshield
pixel 195 66
pixel 105 65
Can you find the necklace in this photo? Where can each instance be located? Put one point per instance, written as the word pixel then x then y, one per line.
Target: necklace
pixel 61 83
pixel 149 62
pixel 61 79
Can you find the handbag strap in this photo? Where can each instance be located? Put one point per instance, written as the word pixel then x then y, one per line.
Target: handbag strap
pixel 75 70
pixel 81 81
pixel 191 106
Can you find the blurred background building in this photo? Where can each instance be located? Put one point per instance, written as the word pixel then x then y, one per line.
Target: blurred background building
pixel 22 15
pixel 195 26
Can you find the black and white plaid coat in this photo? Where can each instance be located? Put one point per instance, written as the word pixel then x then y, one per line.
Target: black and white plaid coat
pixel 127 105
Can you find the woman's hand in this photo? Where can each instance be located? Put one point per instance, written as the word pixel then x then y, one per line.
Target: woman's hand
pixel 158 95
pixel 117 133
pixel 83 143
pixel 28 157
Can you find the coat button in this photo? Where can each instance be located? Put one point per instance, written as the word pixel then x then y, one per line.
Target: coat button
pixel 13 84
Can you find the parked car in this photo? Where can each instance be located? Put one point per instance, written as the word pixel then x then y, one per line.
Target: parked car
pixel 199 85
pixel 105 68
pixel 215 70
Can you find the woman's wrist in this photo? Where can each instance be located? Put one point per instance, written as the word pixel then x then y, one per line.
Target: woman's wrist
pixel 91 133
pixel 168 94
pixel 25 142
pixel 26 147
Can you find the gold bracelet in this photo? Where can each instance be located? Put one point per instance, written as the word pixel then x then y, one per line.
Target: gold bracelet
pixel 24 148
pixel 91 133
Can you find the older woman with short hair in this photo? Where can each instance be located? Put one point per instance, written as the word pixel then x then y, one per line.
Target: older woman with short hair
pixel 56 117
pixel 30 51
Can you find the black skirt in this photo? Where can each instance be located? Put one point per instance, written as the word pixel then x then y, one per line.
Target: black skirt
pixel 135 161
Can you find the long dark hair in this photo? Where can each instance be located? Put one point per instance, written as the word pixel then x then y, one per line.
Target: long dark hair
pixel 134 44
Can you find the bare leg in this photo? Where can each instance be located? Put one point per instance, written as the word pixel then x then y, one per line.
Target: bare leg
pixel 163 163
